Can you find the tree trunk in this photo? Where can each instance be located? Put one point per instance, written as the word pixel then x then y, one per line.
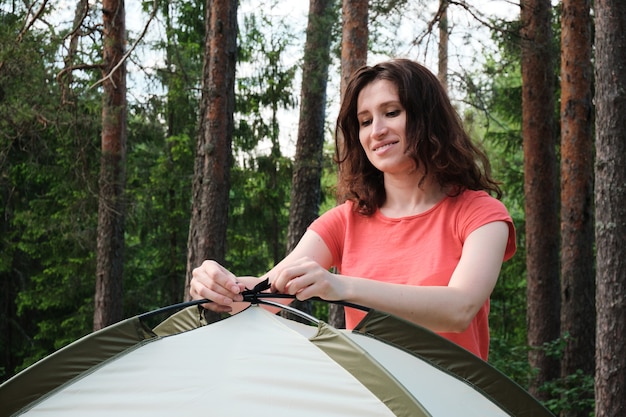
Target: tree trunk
pixel 211 179
pixel 108 307
pixel 442 70
pixel 81 11
pixel 610 376
pixel 353 56
pixel 577 258
pixel 307 167
pixel 540 188
pixel 354 36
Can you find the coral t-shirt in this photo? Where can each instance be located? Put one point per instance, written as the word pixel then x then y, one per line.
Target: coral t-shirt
pixel 422 249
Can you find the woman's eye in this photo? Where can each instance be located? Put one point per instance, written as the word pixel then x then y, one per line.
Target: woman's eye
pixel 366 122
pixel 393 113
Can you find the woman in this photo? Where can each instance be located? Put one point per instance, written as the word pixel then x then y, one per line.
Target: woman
pixel 418 234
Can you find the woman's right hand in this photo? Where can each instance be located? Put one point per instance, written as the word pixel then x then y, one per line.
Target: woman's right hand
pixel 214 282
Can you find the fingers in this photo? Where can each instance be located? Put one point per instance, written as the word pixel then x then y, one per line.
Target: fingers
pixel 304 279
pixel 214 282
pixel 282 282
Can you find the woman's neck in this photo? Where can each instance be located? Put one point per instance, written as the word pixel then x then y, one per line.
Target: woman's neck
pixel 405 197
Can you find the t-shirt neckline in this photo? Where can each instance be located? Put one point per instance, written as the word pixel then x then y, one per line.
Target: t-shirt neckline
pixel 379 214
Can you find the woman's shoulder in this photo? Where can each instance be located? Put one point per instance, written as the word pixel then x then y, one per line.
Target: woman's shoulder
pixel 473 205
pixel 477 208
pixel 338 213
pixel 340 209
pixel 475 198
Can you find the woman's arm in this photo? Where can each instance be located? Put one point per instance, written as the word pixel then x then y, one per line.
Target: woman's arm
pixel 439 308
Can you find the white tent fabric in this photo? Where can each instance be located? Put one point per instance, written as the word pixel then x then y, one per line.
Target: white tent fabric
pixel 259 364
pixel 441 393
pixel 235 367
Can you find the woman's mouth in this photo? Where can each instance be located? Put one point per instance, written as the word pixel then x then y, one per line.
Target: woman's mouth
pixel 383 147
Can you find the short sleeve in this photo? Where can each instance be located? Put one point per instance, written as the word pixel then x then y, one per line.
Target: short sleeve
pixel 331 227
pixel 480 209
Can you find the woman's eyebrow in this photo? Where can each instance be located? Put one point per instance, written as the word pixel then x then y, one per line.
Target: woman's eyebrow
pixel 381 105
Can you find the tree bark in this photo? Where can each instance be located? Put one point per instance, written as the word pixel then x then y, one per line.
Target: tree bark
pixel 610 194
pixel 108 307
pixel 354 36
pixel 442 68
pixel 353 56
pixel 577 234
pixel 540 188
pixel 211 179
pixel 307 167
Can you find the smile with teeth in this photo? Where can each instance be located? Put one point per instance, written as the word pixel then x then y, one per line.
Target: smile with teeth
pixel 383 147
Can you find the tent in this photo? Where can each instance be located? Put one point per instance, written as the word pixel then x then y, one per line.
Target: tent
pixel 256 363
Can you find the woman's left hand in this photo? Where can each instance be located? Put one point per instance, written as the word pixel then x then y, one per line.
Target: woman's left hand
pixel 305 279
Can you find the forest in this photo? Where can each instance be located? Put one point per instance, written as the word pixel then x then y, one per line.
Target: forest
pixel 139 139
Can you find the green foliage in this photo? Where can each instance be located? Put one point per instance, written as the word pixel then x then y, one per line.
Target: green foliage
pixel 159 194
pixel 573 392
pixel 180 73
pixel 499 125
pixel 265 85
pixel 49 152
pixel 497 119
pixel 260 180
pixel 49 159
pixel 48 162
pixel 258 215
pixel 328 198
pixel 495 123
pixel 161 139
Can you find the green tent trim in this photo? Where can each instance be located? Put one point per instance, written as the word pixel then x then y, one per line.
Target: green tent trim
pixel 44 378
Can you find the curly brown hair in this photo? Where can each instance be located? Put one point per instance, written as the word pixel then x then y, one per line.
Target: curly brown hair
pixel 437 141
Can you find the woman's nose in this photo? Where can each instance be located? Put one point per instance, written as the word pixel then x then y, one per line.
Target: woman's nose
pixel 379 127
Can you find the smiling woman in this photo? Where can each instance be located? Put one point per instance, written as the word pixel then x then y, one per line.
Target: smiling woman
pixel 382 120
pixel 418 234
pixel 403 101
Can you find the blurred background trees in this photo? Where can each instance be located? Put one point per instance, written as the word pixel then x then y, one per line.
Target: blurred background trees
pixel 264 158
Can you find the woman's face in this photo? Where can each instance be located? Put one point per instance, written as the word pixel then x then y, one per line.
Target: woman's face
pixel 382 127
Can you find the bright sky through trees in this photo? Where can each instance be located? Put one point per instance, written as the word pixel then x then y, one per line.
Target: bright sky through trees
pixel 395 37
